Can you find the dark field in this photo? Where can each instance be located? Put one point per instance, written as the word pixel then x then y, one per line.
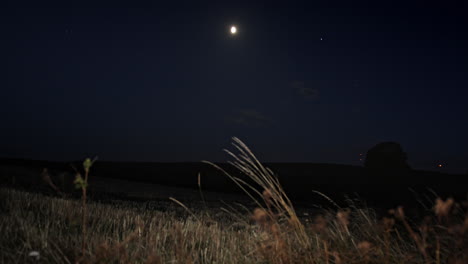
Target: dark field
pixel 380 188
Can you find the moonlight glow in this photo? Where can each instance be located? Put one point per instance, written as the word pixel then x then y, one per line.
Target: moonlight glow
pixel 233 30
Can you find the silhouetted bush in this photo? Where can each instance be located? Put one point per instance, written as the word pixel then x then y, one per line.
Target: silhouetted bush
pixel 386 155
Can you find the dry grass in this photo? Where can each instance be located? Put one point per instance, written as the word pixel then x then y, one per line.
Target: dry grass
pixel 126 232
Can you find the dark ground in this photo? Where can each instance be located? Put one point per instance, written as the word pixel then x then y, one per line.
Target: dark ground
pixel 383 189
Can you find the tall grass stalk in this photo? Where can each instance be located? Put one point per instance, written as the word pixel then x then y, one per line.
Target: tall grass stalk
pixel 276 203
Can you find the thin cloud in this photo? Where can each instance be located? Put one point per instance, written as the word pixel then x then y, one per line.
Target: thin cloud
pixel 305 92
pixel 249 117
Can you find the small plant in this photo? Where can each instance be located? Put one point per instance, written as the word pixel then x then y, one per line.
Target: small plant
pixel 47 179
pixel 82 184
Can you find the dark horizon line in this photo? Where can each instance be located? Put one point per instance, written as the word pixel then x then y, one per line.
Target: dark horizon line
pixel 7 159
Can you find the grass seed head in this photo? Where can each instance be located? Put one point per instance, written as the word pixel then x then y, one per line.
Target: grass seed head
pixel 442 208
pixel 343 217
pixel 260 216
pixel 364 247
pixel 388 223
pixel 319 225
pixel 399 213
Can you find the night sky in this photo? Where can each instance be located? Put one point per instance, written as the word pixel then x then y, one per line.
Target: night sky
pixel 299 82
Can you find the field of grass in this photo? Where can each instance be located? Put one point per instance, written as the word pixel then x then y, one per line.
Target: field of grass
pixel 129 232
pixel 39 228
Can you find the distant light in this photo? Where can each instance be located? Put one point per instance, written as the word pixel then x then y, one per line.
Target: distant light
pixel 440 165
pixel 321 38
pixel 233 30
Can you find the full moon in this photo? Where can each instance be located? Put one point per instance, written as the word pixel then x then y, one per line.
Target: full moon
pixel 233 30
